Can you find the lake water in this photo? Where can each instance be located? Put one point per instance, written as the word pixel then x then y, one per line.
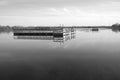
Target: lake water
pixel 81 54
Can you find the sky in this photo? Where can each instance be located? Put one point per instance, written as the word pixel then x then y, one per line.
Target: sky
pixel 56 12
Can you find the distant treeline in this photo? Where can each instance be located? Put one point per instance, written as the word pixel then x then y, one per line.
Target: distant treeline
pixel 8 29
pixel 5 29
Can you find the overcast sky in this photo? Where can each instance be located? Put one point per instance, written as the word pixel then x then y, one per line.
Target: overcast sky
pixel 55 12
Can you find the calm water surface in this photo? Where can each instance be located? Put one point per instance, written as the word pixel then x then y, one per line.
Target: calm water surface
pixel 84 54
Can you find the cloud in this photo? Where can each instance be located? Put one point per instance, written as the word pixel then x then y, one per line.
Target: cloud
pixel 65 10
pixel 3 3
pixel 57 3
pixel 64 3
